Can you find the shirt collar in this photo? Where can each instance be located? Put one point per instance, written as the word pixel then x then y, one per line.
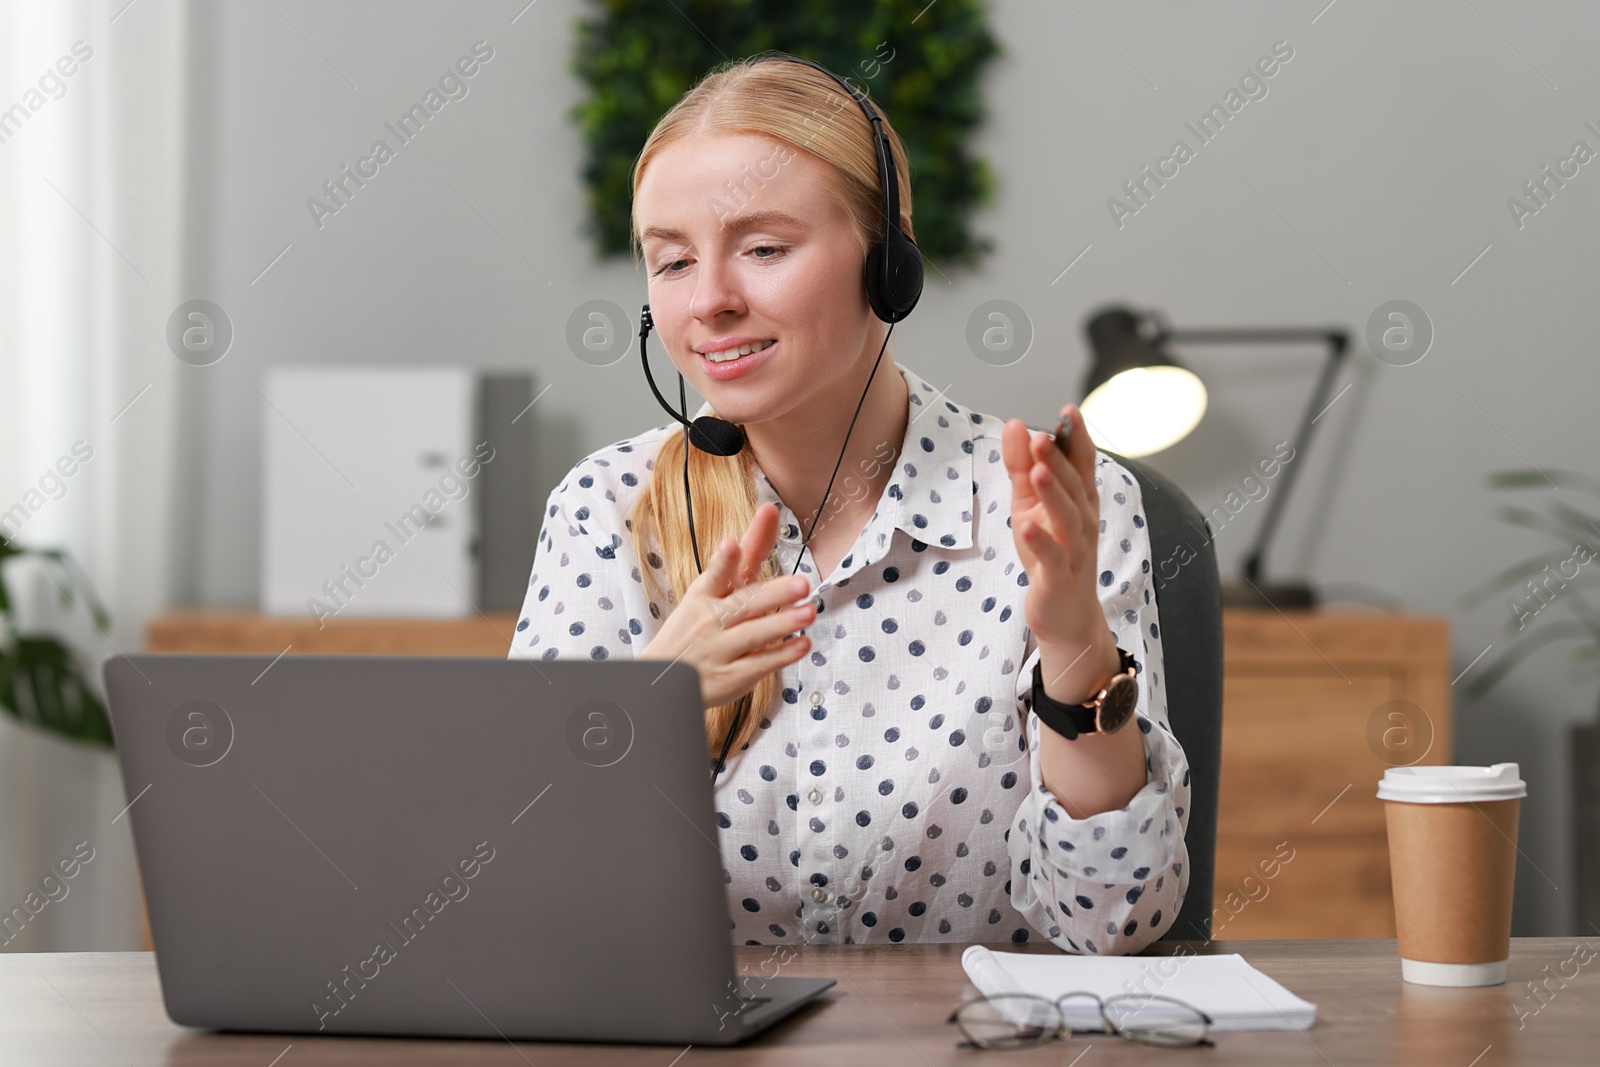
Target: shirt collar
pixel 932 491
pixel 933 485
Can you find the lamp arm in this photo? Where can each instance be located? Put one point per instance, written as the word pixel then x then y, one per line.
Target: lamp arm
pixel 1265 335
pixel 1338 342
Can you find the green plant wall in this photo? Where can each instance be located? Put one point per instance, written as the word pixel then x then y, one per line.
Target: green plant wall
pixel 920 62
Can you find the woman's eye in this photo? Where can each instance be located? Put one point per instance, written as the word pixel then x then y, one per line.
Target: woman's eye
pixel 777 250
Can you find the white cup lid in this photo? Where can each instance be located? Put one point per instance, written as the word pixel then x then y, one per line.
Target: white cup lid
pixel 1452 785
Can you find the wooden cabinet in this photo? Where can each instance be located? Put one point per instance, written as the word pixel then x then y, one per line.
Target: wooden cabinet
pixel 249 632
pixel 1316 705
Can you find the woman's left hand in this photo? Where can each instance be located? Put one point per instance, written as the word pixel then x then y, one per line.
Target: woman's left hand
pixel 1055 522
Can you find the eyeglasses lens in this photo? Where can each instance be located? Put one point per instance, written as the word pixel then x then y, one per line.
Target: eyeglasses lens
pixel 1009 1021
pixel 1156 1020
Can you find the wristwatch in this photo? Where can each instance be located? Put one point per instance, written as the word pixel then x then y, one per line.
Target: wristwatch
pixel 1106 713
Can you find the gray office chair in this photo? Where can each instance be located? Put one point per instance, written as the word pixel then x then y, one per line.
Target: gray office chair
pixel 1190 603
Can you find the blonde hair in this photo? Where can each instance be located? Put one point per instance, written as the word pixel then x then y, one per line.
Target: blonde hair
pixel 810 112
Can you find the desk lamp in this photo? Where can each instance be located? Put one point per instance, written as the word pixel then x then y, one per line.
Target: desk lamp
pixel 1144 400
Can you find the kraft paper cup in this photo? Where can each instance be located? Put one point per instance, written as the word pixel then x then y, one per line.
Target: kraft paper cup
pixel 1452 858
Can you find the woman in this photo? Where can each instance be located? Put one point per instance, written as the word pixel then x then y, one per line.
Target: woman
pixel 880 787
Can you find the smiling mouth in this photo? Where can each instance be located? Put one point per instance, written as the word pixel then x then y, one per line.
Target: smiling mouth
pixel 727 355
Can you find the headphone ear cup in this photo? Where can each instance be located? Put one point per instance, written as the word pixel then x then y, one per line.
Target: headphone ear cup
pixel 893 276
pixel 906 260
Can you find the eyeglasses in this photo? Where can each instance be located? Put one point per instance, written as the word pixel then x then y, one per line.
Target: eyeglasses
pixel 1024 1020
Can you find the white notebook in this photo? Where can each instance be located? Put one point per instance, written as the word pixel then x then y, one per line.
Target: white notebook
pixel 1234 994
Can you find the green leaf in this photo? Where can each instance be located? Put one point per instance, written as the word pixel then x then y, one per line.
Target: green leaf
pixel 1527 479
pixel 1586 526
pixel 1533 521
pixel 40 683
pixel 1514 575
pixel 1501 665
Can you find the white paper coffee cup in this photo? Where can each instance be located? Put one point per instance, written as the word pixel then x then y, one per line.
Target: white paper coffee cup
pixel 1452 859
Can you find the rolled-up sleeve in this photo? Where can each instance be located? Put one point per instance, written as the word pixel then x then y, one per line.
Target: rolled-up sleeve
pixel 584 599
pixel 1110 883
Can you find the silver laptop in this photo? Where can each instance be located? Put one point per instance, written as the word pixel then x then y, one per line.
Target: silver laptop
pixel 432 846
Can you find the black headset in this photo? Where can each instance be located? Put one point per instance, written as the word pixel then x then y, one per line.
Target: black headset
pixel 893 281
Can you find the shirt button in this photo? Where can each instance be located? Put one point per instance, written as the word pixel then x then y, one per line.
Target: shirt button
pixel 815 796
pixel 819 894
pixel 818 602
pixel 816 698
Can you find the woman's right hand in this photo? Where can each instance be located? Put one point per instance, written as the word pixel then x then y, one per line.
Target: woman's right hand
pixel 732 629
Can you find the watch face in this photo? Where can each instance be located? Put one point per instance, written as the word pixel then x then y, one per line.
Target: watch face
pixel 1121 699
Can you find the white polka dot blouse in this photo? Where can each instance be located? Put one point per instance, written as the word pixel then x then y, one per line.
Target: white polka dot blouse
pixel 889 794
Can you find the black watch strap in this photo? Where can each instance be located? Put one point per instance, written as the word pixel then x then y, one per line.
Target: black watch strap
pixel 1070 720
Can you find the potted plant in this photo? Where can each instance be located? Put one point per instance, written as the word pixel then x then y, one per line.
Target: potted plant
pixel 1549 602
pixel 41 680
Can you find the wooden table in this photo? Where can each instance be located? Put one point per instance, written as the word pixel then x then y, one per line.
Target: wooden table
pixel 888 1008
